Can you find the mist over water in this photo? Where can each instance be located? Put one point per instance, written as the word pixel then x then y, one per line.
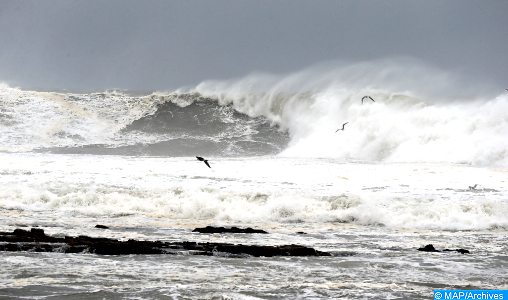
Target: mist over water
pixel 419 113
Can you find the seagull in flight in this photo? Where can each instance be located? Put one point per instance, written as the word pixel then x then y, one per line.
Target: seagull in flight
pixel 205 160
pixel 342 127
pixel 473 187
pixel 367 97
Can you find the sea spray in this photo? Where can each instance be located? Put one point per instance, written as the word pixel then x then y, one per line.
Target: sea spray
pixel 420 114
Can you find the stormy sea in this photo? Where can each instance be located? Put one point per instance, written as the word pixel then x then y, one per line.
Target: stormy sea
pixel 415 164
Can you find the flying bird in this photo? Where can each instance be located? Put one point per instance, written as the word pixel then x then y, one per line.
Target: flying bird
pixel 342 127
pixel 204 160
pixel 367 97
pixel 473 187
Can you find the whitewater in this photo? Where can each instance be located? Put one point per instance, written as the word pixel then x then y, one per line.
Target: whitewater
pixel 398 177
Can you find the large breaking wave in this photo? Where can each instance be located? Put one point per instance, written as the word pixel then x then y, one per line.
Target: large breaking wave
pixel 419 114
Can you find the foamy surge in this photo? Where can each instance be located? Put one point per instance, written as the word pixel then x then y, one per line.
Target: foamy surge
pixel 255 191
pixel 41 119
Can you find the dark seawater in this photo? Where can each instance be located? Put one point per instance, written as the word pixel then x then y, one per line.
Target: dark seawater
pixel 202 127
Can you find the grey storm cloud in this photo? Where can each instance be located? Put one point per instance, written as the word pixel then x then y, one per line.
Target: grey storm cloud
pixel 168 44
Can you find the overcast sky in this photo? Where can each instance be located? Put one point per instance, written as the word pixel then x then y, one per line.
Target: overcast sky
pixel 163 45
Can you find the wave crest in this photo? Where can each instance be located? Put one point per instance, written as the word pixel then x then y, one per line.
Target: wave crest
pixel 419 114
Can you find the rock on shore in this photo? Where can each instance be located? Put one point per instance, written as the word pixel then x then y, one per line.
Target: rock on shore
pixel 37 241
pixel 212 229
pixel 430 248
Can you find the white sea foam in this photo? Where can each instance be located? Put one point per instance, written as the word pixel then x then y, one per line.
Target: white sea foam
pixel 45 119
pixel 419 114
pixel 257 191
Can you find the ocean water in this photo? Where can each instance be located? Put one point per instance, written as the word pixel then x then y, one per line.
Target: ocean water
pixel 396 179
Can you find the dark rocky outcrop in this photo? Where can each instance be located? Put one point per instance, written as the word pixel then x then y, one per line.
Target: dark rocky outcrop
pixel 430 248
pixel 35 240
pixel 212 229
pixel 461 251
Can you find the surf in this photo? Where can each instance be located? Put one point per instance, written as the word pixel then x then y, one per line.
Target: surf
pixel 418 114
